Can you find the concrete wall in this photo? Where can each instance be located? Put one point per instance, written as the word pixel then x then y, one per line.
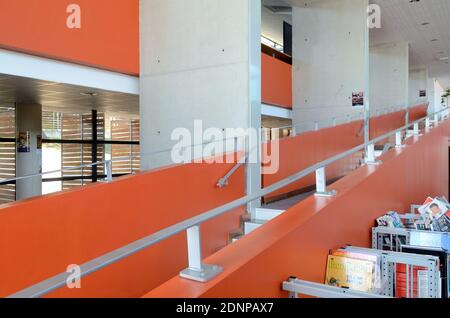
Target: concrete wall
pixel 389 76
pixel 418 81
pixel 200 60
pixel 329 45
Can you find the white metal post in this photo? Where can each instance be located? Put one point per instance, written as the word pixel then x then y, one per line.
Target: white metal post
pixel 194 248
pixel 370 155
pixel 196 270
pixel 316 126
pixel 109 177
pixel 399 139
pixel 321 184
pixel 427 123
pixel 416 129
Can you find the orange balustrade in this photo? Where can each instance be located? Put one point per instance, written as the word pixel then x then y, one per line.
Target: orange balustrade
pixel 276 82
pixel 108 37
pixel 383 124
pixel 297 242
pixel 418 112
pixel 304 150
pixel 40 237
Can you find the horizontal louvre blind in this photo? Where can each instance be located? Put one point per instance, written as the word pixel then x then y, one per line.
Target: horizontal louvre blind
pixel 135 149
pixel 7 154
pixel 121 131
pixel 125 130
pixel 71 153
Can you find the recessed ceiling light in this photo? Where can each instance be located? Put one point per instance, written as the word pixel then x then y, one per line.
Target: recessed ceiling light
pixel 444 58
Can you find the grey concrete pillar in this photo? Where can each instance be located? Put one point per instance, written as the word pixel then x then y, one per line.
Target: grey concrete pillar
pixel 29 149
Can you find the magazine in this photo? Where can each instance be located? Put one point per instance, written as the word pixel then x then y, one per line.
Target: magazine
pixel 391 219
pixel 376 283
pixel 435 215
pixel 345 272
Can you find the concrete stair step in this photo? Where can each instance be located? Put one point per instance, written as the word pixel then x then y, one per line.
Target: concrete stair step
pixel 267 214
pixel 253 225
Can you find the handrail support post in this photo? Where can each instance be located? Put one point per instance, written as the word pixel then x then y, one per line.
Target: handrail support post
pixel 399 140
pixel 416 129
pixel 198 271
pixel 427 123
pixel 321 184
pixel 370 155
pixel 436 119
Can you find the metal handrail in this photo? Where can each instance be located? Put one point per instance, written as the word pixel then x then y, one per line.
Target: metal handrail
pixel 224 181
pixel 109 161
pixel 88 165
pixel 352 117
pixel 192 227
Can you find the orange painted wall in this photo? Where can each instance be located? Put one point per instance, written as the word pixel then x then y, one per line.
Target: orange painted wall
pixel 383 124
pixel 302 151
pixel 108 38
pixel 41 237
pixel 276 82
pixel 297 243
pixel 418 112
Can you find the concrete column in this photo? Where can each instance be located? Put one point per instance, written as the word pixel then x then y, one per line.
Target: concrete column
pixel 431 93
pixel 29 149
pixel 200 60
pixel 389 76
pixel 330 49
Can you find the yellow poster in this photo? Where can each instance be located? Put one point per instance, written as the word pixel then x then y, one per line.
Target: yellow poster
pixel 354 274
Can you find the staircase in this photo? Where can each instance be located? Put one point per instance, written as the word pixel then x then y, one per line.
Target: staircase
pixel 248 225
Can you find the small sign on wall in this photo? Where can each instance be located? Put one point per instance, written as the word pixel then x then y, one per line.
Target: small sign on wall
pixel 358 99
pixel 422 93
pixel 23 142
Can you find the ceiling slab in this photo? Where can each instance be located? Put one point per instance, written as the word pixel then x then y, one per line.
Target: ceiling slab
pixel 60 97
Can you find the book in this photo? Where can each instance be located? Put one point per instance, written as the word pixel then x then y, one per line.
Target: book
pixel 376 277
pixel 351 273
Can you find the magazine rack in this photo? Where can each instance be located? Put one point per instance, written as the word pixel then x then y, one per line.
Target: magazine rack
pixel 389 262
pixel 391 239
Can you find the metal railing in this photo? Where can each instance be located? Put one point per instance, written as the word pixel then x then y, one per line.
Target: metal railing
pixel 197 270
pixel 357 114
pixel 108 162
